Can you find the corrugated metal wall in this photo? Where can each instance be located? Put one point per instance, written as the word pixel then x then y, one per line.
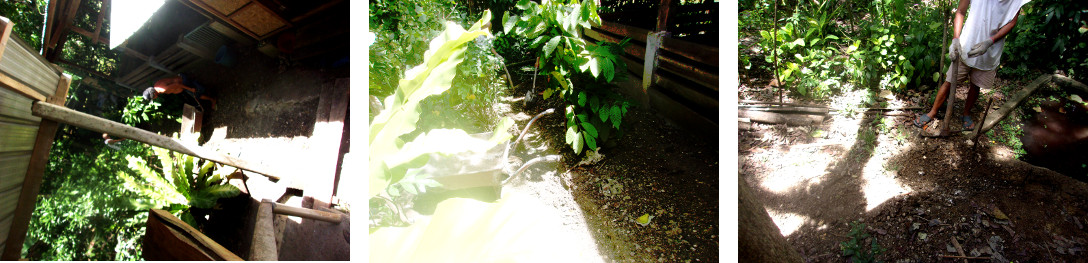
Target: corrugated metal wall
pixel 18 128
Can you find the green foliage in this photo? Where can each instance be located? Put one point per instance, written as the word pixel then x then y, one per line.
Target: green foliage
pixel 854 248
pixel 553 29
pixel 821 45
pixel 402 31
pixel 391 156
pixel 1049 35
pixel 180 183
pixel 83 212
pixel 138 111
pixel 28 16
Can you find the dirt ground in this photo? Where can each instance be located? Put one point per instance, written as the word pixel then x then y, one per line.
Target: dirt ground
pixel 655 168
pixel 914 194
pixel 266 113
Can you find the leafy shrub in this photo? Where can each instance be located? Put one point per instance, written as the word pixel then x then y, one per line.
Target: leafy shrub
pixel 181 183
pixel 820 45
pixel 854 248
pixel 553 29
pixel 1049 35
pixel 402 30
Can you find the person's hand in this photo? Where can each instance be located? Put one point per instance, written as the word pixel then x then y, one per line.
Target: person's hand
pixel 980 48
pixel 954 49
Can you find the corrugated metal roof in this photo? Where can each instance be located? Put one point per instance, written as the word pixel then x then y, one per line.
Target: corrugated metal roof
pixel 18 127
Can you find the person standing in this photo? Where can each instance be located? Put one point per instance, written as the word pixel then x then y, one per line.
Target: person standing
pixel 984 32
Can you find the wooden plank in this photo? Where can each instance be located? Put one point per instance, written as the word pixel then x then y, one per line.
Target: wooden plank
pixel 696 74
pixel 684 116
pixel 328 130
pixel 16 106
pixel 17 137
pixel 169 238
pixel 39 158
pixel 118 130
pixel 12 171
pixel 699 75
pixel 5 229
pixel 24 65
pixel 263 247
pixel 704 102
pixel 690 50
pixel 634 33
pixel 9 198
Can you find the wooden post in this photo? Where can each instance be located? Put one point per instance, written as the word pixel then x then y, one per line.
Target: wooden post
pixel 263 247
pixel 5 32
pixel 71 117
pixel 663 15
pixel 28 195
pixel 304 213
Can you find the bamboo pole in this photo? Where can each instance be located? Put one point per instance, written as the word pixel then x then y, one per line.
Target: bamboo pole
pixel 71 117
pixel 304 213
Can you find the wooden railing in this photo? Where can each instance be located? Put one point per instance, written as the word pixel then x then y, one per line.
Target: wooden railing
pixel 685 82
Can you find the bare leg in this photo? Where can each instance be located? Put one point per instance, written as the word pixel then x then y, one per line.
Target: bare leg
pixel 942 95
pixel 972 97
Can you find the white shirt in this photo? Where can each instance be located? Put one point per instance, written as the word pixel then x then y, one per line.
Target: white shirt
pixel 984 18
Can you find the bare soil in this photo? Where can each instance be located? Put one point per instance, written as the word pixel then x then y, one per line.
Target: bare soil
pixel 913 193
pixel 655 168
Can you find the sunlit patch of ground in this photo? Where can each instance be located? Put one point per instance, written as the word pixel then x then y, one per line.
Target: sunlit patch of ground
pixel 880 183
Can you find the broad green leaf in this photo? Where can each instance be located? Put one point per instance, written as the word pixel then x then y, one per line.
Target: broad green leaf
pixel 582 99
pixel 550 46
pixel 524 4
pixel 571 135
pixel 445 141
pixel 188 219
pixel 508 22
pixel 592 131
pixel 201 199
pixel 604 112
pixel 538 28
pixel 221 191
pixel 617 113
pixel 501 132
pixel 608 69
pixel 433 76
pixel 578 143
pixel 591 141
pixel 562 80
pixel 206 167
pixel 594 67
pixel 548 92
pixel 583 117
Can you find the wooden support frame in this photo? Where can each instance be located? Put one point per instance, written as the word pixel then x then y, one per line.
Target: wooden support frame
pixel 263 247
pixel 169 238
pixel 54 112
pixel 39 159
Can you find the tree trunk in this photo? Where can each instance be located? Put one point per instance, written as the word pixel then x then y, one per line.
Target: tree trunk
pixel 759 239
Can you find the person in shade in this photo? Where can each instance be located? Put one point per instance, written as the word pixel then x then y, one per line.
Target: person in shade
pixel 178 84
